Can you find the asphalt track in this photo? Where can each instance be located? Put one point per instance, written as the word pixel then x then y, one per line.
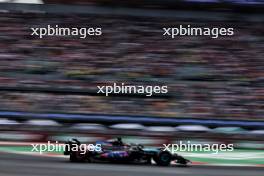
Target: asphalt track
pixel 26 165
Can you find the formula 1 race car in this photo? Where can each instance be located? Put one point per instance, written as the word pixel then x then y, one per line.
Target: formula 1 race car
pixel 115 151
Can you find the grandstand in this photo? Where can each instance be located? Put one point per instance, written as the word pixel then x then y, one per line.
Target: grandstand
pixel 220 78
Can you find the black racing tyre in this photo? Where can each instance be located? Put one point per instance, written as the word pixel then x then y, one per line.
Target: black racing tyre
pixel 163 158
pixel 73 157
pixel 77 157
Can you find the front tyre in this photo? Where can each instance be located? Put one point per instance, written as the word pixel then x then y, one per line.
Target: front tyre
pixel 163 158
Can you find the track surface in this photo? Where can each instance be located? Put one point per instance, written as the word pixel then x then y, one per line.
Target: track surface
pixel 25 165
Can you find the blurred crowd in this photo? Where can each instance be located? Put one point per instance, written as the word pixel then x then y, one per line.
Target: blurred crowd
pixel 206 78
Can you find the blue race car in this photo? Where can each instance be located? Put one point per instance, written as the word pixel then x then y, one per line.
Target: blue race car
pixel 115 151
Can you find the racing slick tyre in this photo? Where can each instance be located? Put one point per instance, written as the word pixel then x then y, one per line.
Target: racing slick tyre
pixel 77 157
pixel 163 158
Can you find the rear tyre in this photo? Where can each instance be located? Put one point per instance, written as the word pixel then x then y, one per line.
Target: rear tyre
pixel 77 157
pixel 73 157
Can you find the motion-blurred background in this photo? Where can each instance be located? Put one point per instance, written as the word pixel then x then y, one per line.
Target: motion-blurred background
pixel 48 86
